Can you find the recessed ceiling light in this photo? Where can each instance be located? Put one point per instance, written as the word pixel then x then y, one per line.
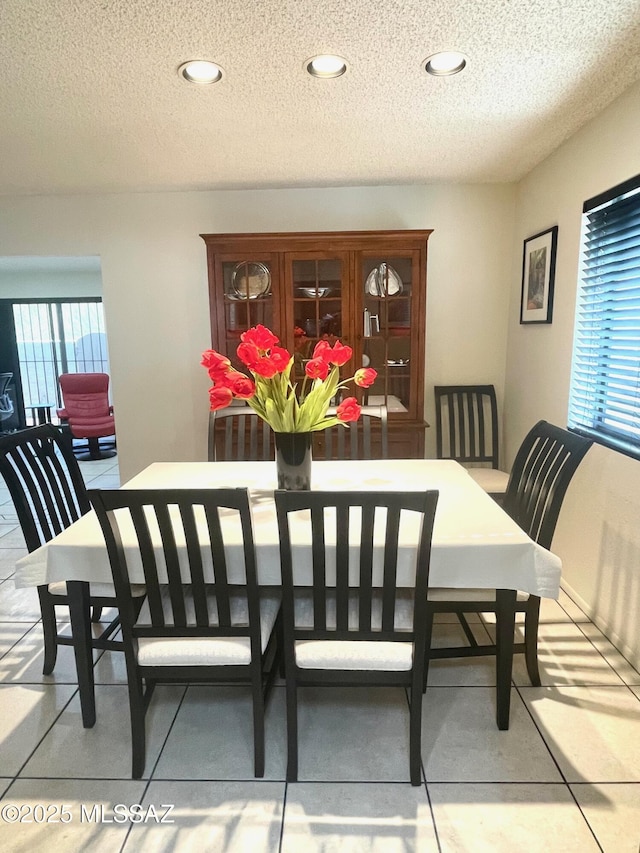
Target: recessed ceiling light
pixel 326 65
pixel 445 64
pixel 200 71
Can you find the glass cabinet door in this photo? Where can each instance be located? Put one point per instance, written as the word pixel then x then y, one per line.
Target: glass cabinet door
pixel 249 299
pixel 388 292
pixel 317 285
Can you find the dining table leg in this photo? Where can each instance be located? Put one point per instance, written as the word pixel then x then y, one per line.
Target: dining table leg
pixel 505 627
pixel 80 617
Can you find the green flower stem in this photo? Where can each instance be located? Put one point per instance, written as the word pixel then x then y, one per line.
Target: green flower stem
pixel 276 402
pixel 303 391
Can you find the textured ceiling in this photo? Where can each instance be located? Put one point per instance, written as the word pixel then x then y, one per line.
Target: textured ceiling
pixel 90 100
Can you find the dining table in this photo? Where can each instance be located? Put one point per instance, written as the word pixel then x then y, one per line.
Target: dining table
pixel 475 545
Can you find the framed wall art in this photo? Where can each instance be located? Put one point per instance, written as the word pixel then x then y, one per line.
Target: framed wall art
pixel 538 275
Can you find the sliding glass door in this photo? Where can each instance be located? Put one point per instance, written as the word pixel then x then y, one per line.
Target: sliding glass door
pixel 54 337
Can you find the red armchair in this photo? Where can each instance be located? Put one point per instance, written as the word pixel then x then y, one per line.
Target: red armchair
pixel 86 411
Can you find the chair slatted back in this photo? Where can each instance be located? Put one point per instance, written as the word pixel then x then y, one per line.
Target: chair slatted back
pixel 238 434
pixel 332 522
pixel 179 536
pixel 355 441
pixel 44 481
pixel 542 470
pixel 467 423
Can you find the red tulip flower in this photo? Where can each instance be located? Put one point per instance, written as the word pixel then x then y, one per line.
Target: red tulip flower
pixel 241 386
pixel 280 357
pixel 322 350
pixel 215 363
pixel 220 397
pixel 365 377
pixel 260 337
pixel 348 410
pixel 265 367
pixel 340 354
pixel 317 368
pixel 248 354
pixel 211 358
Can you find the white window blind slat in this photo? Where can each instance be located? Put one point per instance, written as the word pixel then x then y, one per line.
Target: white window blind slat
pixel 604 400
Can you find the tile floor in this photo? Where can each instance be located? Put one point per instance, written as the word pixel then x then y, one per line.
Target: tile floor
pixel 565 777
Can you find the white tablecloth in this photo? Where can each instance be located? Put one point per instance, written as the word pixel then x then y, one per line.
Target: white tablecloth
pixel 475 543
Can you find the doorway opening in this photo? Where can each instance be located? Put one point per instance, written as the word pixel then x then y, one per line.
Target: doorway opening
pixel 55 336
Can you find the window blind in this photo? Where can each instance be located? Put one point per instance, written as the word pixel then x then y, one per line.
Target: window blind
pixel 604 401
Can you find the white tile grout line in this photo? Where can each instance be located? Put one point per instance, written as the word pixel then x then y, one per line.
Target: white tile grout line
pixel 27 631
pixel 164 743
pixel 566 783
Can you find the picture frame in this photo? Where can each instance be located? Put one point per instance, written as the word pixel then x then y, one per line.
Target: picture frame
pixel 538 276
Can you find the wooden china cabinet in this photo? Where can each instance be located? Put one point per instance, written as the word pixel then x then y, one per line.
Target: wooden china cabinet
pixel 367 288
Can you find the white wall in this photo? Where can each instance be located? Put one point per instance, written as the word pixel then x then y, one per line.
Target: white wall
pixel 156 298
pixel 50 284
pixel 598 536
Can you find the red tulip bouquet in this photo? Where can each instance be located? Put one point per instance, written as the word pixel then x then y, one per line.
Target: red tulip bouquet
pixel 269 390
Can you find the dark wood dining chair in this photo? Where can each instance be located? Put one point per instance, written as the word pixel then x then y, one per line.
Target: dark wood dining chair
pixel 192 627
pixel 366 438
pixel 46 486
pixel 351 627
pixel 467 431
pixel 238 434
pixel 542 471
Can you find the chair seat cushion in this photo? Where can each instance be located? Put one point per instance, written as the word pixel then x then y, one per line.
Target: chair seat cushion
pixel 97 590
pixel 94 428
pixel 354 654
pixel 211 651
pixel 490 479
